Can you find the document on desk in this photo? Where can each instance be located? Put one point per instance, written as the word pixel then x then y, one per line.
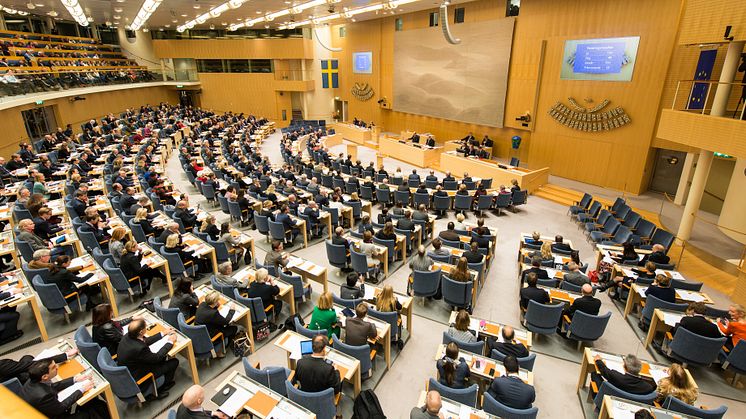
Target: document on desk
pixel 615 365
pixel 292 343
pixel 224 310
pixel 551 272
pixel 48 353
pixel 370 293
pixel 285 410
pixel 77 263
pixel 64 394
pixel 670 319
pixel 234 404
pixel 658 373
pixel 690 296
pixel 158 345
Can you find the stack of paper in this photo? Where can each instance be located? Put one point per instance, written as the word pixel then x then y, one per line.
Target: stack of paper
pixel 234 404
pixel 64 394
pixel 48 353
pixel 690 296
pixel 158 345
pixel 224 310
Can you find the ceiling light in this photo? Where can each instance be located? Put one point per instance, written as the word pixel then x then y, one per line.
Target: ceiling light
pixel 184 15
pixel 73 7
pixel 52 13
pixel 118 9
pixel 196 6
pixel 145 30
pixel 167 26
pixel 116 17
pixel 90 20
pixel 258 12
pixel 211 14
pixel 174 21
pixel 146 10
pixel 31 6
pixel 39 4
pixel 224 23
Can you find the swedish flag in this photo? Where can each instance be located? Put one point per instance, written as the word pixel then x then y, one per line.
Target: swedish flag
pixel 329 74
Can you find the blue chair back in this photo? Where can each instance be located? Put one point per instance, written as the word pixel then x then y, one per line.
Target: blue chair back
pixel 87 347
pixel 100 257
pixel 467 396
pixel 321 403
pixel 27 252
pixel 262 223
pixel 296 281
pixel 473 347
pixel 390 245
pixel 421 198
pixel 519 197
pixel 401 197
pixel 390 317
pixel 686 285
pixel 456 293
pixel 208 191
pixel 608 389
pixel 587 327
pixel 122 383
pixel 303 330
pixel 52 299
pixel 359 262
pixel 169 315
pixel 89 240
pixel 503 200
pixel 462 202
pixel 117 278
pixel 351 304
pixel 441 203
pixel 30 273
pixel 543 318
pixel 336 254
pixel 672 403
pixel 652 302
pixel 662 237
pixel 425 283
pixel 271 377
pixel 366 192
pixel 226 290
pixel 234 210
pixel 201 339
pixel 137 231
pixel 691 348
pixel 276 230
pixel 223 201
pixel 494 407
pixel 526 362
pixel 175 264
pixel 361 353
pixel 383 196
pixel 14 385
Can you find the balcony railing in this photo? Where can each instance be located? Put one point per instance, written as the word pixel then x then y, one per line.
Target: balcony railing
pixel 697 96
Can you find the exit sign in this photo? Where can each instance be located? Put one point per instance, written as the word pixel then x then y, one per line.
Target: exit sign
pixel 179 86
pixel 39 102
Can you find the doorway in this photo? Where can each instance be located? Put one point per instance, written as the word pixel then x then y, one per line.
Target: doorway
pixel 39 122
pixel 340 109
pixel 668 167
pixel 189 98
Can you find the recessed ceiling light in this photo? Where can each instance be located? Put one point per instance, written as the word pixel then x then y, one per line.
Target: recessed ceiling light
pixel 168 26
pixel 258 12
pixel 184 15
pixel 118 9
pixel 196 6
pixel 266 26
pixel 39 4
pixel 52 13
pixel 145 30
pixel 116 17
pixel 287 2
pixel 224 23
pixel 90 19
pixel 174 21
pixel 31 6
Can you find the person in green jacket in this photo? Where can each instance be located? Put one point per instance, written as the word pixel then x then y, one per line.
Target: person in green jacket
pixel 324 316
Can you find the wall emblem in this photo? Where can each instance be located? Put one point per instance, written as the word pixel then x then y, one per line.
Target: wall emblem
pixel 362 91
pixel 589 119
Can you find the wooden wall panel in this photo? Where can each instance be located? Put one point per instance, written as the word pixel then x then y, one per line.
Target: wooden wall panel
pixel 299 48
pixel 250 93
pixel 96 105
pixel 704 21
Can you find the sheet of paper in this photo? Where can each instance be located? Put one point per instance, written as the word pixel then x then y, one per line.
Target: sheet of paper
pixel 235 402
pixel 551 272
pixel 616 366
pixel 48 353
pixel 690 296
pixel 658 374
pixel 370 293
pixel 64 394
pixel 77 262
pixel 155 347
pixel 285 410
pixel 224 309
pixel 671 319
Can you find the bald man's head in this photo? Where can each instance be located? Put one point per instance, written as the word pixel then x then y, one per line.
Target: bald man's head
pixel 587 289
pixel 433 402
pixel 193 397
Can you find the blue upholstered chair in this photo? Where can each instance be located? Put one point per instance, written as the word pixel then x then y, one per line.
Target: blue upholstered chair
pixel 672 403
pixel 123 385
pixel 425 283
pixel 494 407
pixel 271 377
pixel 362 353
pixel 336 254
pixel 321 403
pixel 526 363
pixel 608 389
pixel 693 349
pixel 467 396
pixel 473 347
pixel 543 318
pixel 457 294
pixel 203 344
pixel 584 327
pixel 87 347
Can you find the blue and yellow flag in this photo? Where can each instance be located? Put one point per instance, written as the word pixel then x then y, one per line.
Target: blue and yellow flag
pixel 329 72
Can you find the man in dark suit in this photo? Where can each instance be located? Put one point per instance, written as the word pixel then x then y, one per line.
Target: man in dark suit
pixel 339 240
pixel 535 269
pixel 173 228
pixel 449 177
pixel 532 292
pixel 314 373
pixel 431 177
pixel 508 346
pixel 414 176
pixel 588 304
pixel 128 198
pixel 406 223
pixel 487 142
pixel 472 255
pixel 312 212
pixel 450 233
pixel 142 202
pixel 357 330
pixel 430 141
pixel 322 199
pixel 41 393
pixel 630 381
pixel 559 245
pixel 657 256
pixel 187 218
pixel 263 287
pixel 134 353
pixel 93 225
pixel 288 224
pixel 80 203
pixel 510 389
pixel 415 138
pixel 191 405
pixel 42 227
pixel 695 322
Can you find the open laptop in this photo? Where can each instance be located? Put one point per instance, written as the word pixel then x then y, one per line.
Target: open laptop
pixel 306 347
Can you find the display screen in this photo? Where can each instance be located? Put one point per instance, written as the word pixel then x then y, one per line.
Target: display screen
pixel 362 62
pixel 608 59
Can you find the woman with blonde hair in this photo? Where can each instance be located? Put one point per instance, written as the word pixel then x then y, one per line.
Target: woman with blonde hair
pixel 459 224
pixel 131 266
pixel 208 227
pixel 677 384
pixel 141 218
pixel 39 186
pixel 461 272
pixel 386 300
pixel 116 244
pixel 545 253
pixel 735 328
pixel 324 316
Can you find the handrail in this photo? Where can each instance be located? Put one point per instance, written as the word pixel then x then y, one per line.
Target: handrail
pixel 713 82
pixel 713 195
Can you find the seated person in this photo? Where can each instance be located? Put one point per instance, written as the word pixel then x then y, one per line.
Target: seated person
pixel 184 298
pixel 631 381
pixel 535 239
pixel 224 278
pixel 459 330
pixel 10 368
pixel 453 371
pixel 473 255
pixel 677 384
pixel 508 346
pixel 450 233
pixel 431 409
pixel 313 373
pixel 351 290
pixel 657 256
pixel 545 253
pixel 187 218
pixel 662 289
pixel 357 330
pixel 695 322
pixel 324 316
pixel 588 304
pixel 532 292
pixel 265 288
pixel 575 277
pixel 191 405
pixel 135 354
pixel 207 314
pixel 107 332
pixel 438 249
pixel 535 269
pixel 735 328
pixel 559 245
pixel 276 257
pixel 510 389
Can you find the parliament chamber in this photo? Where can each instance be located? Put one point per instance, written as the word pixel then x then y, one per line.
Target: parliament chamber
pixel 372 208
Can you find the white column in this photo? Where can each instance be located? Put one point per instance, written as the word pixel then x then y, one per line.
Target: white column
pixel 732 215
pixel 719 105
pixel 682 191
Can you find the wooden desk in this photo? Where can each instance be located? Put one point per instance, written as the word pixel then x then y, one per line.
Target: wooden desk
pixel 242 315
pixel 248 274
pixel 79 365
pixel 662 321
pixel 348 367
pixel 614 407
pixel 382 255
pixel 261 401
pixel 200 248
pixel 527 179
pixel 455 410
pixel 613 361
pixel 8 247
pixel 28 296
pixel 419 155
pixel 99 278
pixel 383 330
pixel 558 295
pixel 352 132
pixel 155 260
pixel 308 270
pixel 637 295
pixel 183 344
pixel 604 253
pixel 493 329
